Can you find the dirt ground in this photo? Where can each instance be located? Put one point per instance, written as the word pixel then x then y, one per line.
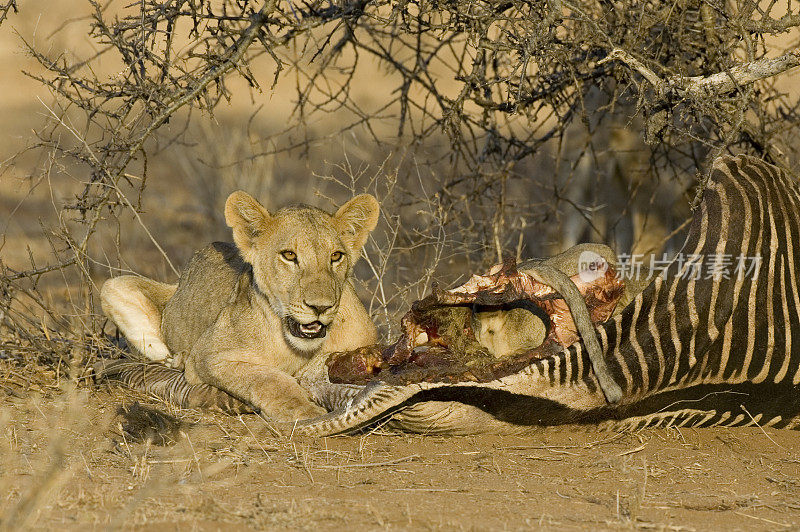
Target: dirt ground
pixel 69 463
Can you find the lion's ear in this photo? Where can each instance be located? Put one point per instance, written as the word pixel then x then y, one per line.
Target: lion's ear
pixel 356 219
pixel 247 217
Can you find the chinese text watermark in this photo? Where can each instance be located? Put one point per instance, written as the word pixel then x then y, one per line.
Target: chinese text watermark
pixel 686 266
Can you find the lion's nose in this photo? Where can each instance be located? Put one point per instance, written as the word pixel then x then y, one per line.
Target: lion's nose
pixel 318 308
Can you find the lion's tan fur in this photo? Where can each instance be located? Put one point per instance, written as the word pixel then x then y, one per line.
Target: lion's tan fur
pixel 225 321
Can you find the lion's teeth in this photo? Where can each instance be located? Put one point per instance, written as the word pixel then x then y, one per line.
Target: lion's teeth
pixel 311 327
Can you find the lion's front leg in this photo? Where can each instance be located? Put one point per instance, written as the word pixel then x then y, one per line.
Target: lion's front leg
pixel 276 393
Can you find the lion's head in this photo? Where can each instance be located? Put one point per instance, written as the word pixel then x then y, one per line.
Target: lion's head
pixel 301 258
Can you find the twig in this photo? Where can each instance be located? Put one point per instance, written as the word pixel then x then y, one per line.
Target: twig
pixel 772 25
pixel 738 76
pixel 409 458
pixel 120 194
pixel 631 61
pixel 41 271
pixel 764 519
pixel 10 4
pixel 761 428
pixel 699 87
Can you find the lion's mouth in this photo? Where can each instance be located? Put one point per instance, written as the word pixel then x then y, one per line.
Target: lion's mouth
pixel 315 329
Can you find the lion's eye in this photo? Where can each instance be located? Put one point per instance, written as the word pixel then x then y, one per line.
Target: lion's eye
pixel 290 256
pixel 336 256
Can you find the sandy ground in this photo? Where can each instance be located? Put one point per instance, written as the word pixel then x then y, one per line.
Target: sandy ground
pixel 71 460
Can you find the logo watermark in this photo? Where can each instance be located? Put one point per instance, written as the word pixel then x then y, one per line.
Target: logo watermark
pixel 685 266
pixel 591 266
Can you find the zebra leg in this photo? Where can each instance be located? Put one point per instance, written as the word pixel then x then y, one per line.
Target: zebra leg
pixel 168 384
pixel 557 279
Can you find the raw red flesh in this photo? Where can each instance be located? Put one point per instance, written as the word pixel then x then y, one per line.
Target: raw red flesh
pixel 411 359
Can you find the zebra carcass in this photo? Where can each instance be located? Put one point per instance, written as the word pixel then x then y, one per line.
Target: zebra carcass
pixel 698 346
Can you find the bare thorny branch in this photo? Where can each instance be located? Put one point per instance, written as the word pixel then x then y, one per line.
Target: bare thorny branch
pixel 4 8
pixel 712 85
pixel 488 92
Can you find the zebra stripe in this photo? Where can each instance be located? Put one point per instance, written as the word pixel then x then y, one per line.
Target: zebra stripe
pixel 697 309
pixel 169 385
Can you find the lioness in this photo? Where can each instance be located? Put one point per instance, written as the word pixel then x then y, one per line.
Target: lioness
pixel 245 317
